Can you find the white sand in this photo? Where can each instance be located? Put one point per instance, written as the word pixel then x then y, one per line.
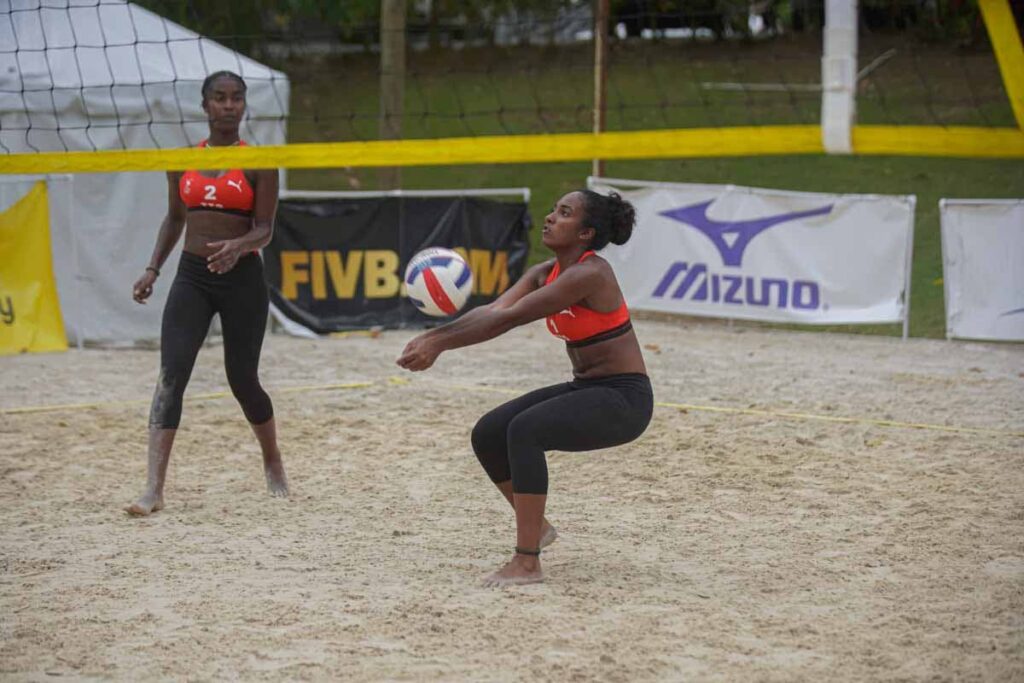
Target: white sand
pixel 719 546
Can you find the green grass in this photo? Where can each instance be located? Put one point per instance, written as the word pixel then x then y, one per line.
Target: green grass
pixel 519 91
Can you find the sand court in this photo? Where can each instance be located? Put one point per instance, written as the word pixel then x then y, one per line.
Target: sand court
pixel 803 506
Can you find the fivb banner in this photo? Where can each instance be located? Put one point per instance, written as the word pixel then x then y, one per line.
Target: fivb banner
pixel 337 263
pixel 983 268
pixel 30 317
pixel 745 253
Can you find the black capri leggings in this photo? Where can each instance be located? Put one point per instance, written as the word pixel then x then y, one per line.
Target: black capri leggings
pixel 582 415
pixel 240 297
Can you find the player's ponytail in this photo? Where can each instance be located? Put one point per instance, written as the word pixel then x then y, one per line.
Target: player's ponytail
pixel 611 217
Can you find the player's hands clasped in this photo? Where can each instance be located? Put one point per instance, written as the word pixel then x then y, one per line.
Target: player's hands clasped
pixel 226 256
pixel 419 354
pixel 143 287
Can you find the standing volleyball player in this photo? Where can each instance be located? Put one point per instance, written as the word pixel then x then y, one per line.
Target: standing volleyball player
pixel 227 217
pixel 609 402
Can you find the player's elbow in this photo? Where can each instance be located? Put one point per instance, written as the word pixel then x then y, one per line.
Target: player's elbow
pixel 174 223
pixel 176 215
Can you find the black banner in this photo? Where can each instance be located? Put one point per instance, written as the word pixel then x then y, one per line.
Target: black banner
pixel 337 264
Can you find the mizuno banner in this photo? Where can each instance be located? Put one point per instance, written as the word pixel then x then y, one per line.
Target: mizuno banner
pixel 337 264
pixel 745 253
pixel 983 268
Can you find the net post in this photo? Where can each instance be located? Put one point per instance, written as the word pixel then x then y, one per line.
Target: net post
pixel 392 81
pixel 76 267
pixel 1006 43
pixel 839 76
pixel 601 12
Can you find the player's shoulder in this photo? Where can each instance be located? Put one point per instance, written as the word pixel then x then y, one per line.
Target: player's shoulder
pixel 539 272
pixel 595 263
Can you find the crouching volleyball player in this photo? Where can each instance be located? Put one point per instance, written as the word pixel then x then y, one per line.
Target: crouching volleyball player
pixel 608 403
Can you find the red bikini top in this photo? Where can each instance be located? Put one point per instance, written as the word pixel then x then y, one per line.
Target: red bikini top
pixel 580 326
pixel 230 192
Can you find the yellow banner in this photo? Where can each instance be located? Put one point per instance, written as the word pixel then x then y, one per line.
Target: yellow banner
pixel 30 318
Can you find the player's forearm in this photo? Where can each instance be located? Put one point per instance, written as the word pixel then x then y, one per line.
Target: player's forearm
pixel 477 326
pixel 170 233
pixel 257 238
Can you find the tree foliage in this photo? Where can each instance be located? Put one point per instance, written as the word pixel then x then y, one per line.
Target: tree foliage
pixel 243 25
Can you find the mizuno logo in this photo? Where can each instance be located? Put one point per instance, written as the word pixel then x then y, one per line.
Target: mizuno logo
pixel 696 282
pixel 732 237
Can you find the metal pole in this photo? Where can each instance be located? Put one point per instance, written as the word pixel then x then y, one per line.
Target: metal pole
pixel 601 13
pixel 392 81
pixel 80 315
pixel 909 264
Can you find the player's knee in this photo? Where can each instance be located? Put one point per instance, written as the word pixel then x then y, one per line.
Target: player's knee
pixel 253 399
pixel 488 439
pixel 487 436
pixel 258 410
pixel 243 383
pixel 165 411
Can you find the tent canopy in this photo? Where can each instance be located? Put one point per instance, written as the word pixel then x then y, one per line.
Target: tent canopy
pixel 107 74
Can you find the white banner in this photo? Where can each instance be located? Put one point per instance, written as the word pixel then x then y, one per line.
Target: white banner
pixel 738 252
pixel 983 268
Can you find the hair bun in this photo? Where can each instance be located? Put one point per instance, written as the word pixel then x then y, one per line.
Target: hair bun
pixel 623 217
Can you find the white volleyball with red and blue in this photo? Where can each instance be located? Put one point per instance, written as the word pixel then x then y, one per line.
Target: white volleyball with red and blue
pixel 438 282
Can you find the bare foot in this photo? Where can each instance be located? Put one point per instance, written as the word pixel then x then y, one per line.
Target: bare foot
pixel 548 535
pixel 277 482
pixel 520 570
pixel 147 504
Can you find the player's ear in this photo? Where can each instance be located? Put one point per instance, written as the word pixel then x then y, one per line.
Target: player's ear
pixel 587 234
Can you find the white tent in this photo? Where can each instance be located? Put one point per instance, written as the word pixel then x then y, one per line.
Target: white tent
pixel 83 75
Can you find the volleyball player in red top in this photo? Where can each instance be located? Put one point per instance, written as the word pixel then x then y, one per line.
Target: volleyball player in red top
pixel 227 216
pixel 609 402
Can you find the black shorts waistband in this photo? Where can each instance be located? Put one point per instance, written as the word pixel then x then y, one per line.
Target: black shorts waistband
pixel 194 266
pixel 627 380
pixel 196 259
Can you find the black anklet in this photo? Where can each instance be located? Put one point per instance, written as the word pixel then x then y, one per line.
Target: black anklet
pixel 528 551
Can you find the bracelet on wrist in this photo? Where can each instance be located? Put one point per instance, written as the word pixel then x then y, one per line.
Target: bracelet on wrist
pixel 154 269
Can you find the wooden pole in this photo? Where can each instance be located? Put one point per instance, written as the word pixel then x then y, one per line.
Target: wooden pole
pixel 392 82
pixel 601 13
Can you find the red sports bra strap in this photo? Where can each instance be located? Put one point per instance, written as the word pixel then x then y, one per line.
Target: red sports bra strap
pixel 586 254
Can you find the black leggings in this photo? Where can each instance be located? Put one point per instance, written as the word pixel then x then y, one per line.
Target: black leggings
pixel 240 297
pixel 582 415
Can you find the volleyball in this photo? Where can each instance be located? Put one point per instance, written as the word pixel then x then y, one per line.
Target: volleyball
pixel 438 281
